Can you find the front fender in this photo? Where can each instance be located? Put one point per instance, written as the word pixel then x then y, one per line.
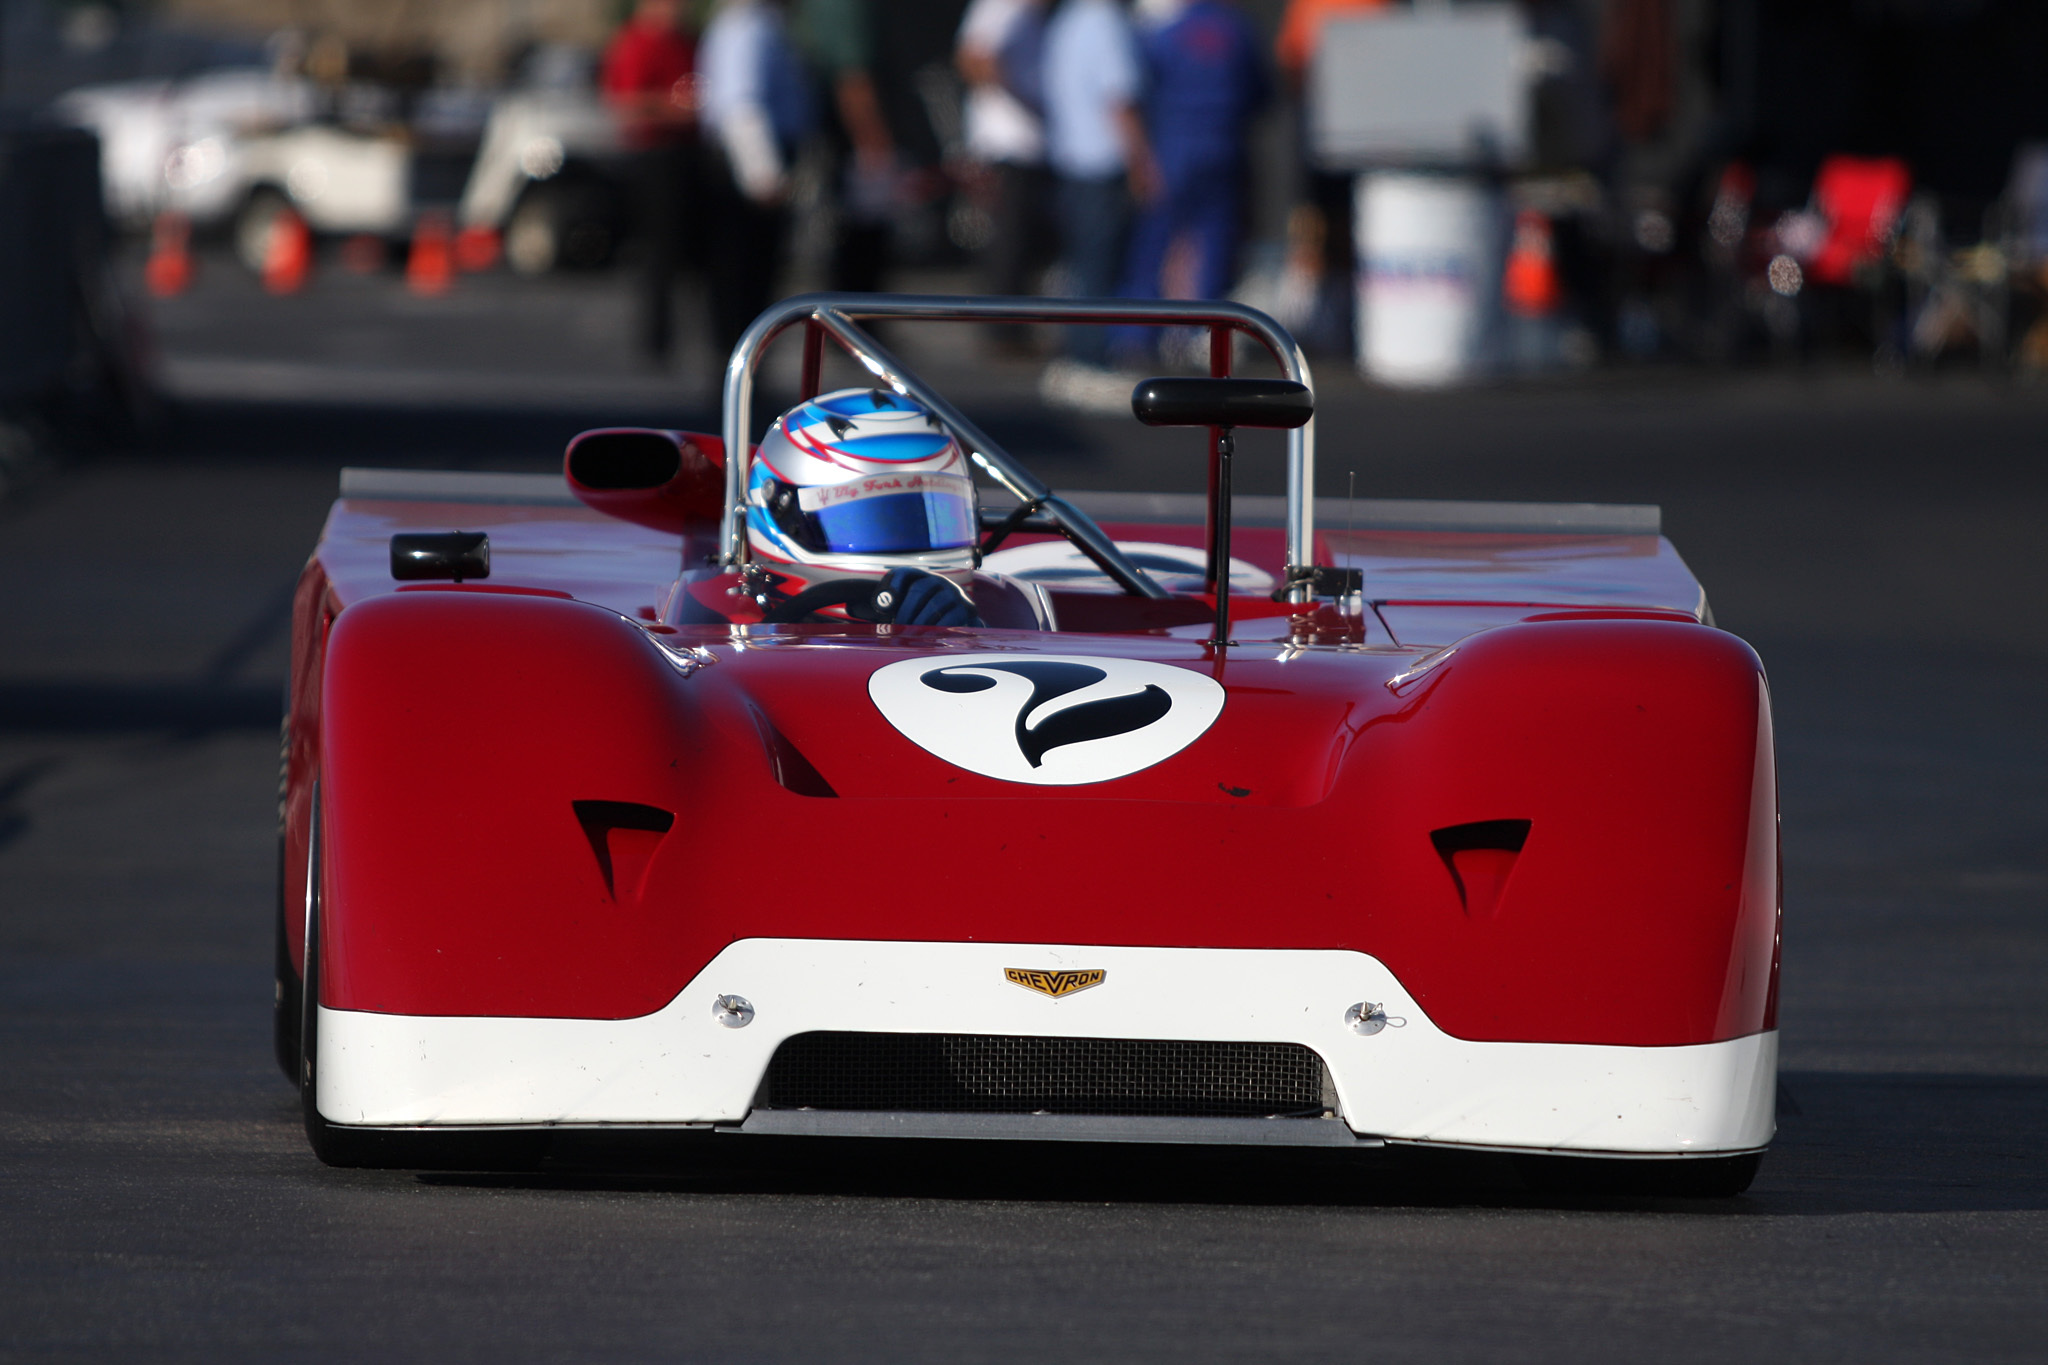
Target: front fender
pixel 1643 907
pixel 461 730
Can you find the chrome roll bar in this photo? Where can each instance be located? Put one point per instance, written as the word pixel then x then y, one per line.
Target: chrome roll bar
pixel 839 316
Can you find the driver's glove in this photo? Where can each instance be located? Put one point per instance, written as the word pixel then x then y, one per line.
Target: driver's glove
pixel 912 597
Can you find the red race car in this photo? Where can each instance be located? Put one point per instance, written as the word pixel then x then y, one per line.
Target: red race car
pixel 857 784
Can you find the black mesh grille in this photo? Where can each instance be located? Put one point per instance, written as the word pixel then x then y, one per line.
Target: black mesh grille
pixel 943 1073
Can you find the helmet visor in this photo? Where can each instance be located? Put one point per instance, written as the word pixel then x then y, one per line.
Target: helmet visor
pixel 887 514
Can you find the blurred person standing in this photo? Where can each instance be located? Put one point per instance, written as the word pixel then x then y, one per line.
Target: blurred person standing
pixel 756 109
pixel 838 36
pixel 1205 80
pixel 1000 54
pixel 1096 144
pixel 647 79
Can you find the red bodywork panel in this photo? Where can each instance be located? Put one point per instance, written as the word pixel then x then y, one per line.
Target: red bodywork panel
pixel 456 730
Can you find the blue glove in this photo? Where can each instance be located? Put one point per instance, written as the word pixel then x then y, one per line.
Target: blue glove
pixel 912 597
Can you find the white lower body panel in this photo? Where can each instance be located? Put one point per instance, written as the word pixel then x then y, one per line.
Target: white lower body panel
pixel 1409 1082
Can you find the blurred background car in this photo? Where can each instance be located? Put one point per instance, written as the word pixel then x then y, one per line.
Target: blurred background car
pixel 356 146
pixel 177 143
pixel 550 174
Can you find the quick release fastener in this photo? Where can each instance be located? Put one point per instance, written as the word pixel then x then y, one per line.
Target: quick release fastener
pixel 1367 1017
pixel 732 1011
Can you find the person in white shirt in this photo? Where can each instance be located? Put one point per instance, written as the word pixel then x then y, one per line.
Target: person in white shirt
pixel 755 110
pixel 1005 134
pixel 1095 141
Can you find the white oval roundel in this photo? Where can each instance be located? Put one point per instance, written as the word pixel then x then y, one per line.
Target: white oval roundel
pixel 1050 719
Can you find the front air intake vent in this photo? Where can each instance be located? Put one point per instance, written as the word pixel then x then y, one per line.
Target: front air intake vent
pixel 1479 857
pixel 945 1073
pixel 623 836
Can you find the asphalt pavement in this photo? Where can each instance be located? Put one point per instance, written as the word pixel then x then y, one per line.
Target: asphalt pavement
pixel 1880 542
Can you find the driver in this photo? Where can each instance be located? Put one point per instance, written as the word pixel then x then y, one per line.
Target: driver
pixel 859 501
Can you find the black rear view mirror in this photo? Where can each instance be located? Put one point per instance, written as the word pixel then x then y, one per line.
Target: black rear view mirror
pixel 1187 402
pixel 1221 404
pixel 417 556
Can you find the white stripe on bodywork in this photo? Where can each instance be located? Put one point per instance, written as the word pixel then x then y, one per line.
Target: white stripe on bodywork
pixel 1409 1081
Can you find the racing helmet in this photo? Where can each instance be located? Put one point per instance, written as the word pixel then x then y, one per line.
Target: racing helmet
pixel 857 482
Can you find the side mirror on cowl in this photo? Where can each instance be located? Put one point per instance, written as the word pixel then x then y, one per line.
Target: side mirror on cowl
pixel 1191 402
pixel 668 480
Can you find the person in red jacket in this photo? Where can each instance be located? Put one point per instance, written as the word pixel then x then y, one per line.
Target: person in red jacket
pixel 649 81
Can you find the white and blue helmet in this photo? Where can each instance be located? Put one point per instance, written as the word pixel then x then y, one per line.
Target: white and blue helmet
pixel 856 483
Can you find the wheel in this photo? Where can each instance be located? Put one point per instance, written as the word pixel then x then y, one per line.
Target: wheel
pixel 285 1005
pixel 335 1146
pixel 533 236
pixel 1713 1177
pixel 256 224
pixel 562 225
pixel 587 244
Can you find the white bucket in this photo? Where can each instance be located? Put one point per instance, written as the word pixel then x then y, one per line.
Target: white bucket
pixel 1427 273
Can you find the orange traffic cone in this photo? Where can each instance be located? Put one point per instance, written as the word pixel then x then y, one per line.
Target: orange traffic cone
pixel 1530 284
pixel 288 259
pixel 169 271
pixel 476 248
pixel 430 269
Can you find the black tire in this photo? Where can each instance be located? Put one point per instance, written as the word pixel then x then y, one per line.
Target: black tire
pixel 335 1146
pixel 286 1004
pixel 1713 1177
pixel 537 234
pixel 566 224
pixel 255 223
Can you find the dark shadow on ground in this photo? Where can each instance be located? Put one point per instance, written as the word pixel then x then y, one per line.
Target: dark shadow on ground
pixel 1860 1143
pixel 96 706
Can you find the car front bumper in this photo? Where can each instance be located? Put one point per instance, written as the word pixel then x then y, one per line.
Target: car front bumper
pixel 687 1065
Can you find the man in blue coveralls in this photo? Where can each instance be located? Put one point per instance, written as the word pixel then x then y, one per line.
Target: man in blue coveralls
pixel 1205 79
